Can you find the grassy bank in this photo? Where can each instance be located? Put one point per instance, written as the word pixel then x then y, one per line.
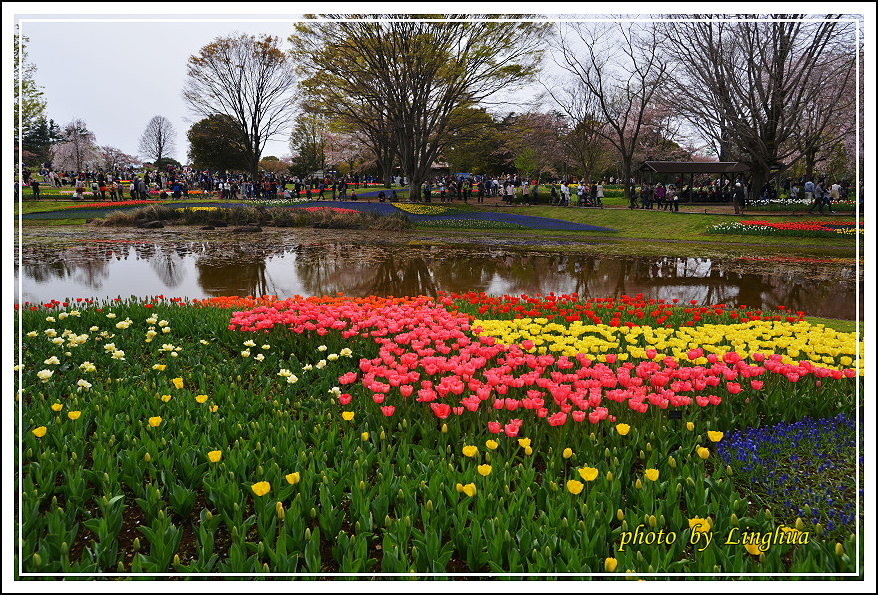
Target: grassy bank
pixel 639 232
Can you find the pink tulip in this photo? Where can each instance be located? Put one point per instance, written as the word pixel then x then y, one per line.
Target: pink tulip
pixel 441 410
pixel 694 354
pixel 388 410
pixel 557 419
pixel 731 357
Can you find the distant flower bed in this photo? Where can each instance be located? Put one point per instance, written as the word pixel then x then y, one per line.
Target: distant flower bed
pixel 787 228
pixel 329 209
pixel 124 203
pixel 196 208
pixel 469 224
pixel 273 202
pixel 423 209
pixel 794 204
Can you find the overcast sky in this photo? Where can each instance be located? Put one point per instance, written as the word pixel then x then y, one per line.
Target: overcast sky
pixel 116 71
pixel 117 74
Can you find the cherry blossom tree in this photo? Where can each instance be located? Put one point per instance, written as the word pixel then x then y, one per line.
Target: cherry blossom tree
pixel 76 150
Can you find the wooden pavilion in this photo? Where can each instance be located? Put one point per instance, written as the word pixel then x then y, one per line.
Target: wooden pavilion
pixel 679 169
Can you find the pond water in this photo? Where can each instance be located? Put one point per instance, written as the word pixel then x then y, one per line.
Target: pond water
pixel 68 264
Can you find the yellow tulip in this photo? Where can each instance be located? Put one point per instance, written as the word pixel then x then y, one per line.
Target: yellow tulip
pixel 166 398
pixel 365 436
pixel 699 525
pixel 652 474
pixel 458 487
pixel 704 453
pixel 690 426
pixel 347 415
pixel 470 451
pixel 39 432
pixel 293 478
pixel 610 564
pixel 74 414
pixel 214 408
pixel 261 488
pixel 178 382
pixel 752 548
pixel 491 444
pixel 484 470
pixel 528 451
pixel 588 473
pixel 715 436
pixel 155 421
pixel 201 398
pixel 469 489
pixel 524 442
pixel 568 452
pixel 574 487
pixel 57 407
pixel 215 456
pixel 623 429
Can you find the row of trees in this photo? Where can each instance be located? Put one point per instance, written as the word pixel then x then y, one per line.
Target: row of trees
pixel 73 147
pixel 402 92
pixel 775 92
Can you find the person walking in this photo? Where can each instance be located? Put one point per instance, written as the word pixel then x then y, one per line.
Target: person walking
pixel 809 194
pixel 35 186
pixel 660 197
pixel 818 198
pixel 738 196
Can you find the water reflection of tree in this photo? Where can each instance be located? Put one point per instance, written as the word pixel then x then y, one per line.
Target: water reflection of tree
pixel 231 268
pixel 357 266
pixel 363 270
pixel 167 265
pixel 86 264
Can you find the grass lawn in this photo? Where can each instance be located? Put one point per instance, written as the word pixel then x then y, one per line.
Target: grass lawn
pixel 659 227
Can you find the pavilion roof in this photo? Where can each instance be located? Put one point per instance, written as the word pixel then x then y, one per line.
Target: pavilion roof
pixel 695 167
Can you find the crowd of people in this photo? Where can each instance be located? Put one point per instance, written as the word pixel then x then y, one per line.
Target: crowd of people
pixel 125 184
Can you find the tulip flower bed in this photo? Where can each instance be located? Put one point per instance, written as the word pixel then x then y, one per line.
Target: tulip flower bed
pixel 815 229
pixel 101 205
pixel 460 434
pixel 795 204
